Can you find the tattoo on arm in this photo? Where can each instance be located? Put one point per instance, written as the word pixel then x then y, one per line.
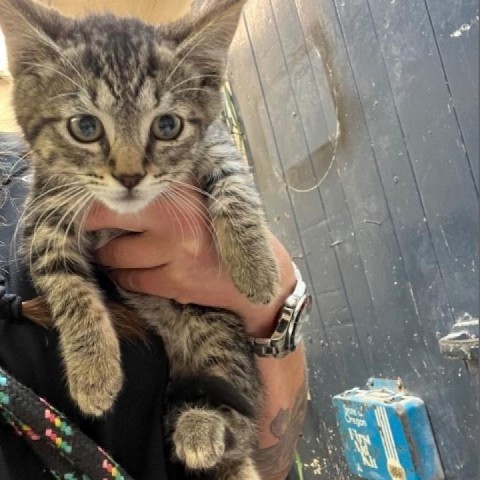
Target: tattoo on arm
pixel 276 461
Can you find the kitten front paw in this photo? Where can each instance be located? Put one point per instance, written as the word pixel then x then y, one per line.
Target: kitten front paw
pixel 199 438
pixel 96 398
pixel 249 258
pixel 95 379
pixel 259 282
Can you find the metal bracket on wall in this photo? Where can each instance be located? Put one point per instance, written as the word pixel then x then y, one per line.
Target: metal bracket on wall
pixel 462 343
pixel 395 386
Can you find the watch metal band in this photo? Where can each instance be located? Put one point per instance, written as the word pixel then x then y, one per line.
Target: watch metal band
pixel 281 343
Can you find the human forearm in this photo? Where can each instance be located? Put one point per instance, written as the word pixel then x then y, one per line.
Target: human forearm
pixel 281 422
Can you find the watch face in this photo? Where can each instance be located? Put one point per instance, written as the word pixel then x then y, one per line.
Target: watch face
pixel 301 322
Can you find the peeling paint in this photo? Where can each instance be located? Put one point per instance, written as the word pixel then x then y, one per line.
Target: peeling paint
pixel 464 28
pixel 467 319
pixel 315 466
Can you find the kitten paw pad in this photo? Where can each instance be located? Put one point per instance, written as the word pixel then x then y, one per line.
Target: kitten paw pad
pixel 199 438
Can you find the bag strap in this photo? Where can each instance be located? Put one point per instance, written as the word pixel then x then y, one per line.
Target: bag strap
pixel 67 452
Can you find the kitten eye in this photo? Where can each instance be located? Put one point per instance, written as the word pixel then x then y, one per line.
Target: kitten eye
pixel 167 127
pixel 85 128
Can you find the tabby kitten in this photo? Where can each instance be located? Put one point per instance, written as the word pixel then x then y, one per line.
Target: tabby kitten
pixel 123 112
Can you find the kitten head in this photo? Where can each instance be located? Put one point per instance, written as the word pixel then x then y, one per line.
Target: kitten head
pixel 113 105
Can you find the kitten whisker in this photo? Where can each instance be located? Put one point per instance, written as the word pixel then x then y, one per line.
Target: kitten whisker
pixel 206 219
pixel 193 187
pixel 65 239
pixel 40 203
pixel 81 225
pixel 171 211
pixel 18 161
pixel 203 192
pixel 193 89
pixel 197 39
pixel 44 217
pixel 202 217
pixel 186 215
pixel 178 63
pixel 43 203
pixel 86 211
pixel 39 65
pixel 53 177
pixel 195 77
pixel 225 210
pixel 61 95
pixel 35 36
pixel 189 218
pixel 13 150
pixel 44 199
pixel 80 198
pixel 87 200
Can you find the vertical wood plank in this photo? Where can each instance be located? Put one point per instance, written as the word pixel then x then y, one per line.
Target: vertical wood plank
pixel 455 25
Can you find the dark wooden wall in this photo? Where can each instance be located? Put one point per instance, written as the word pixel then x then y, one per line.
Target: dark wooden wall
pixel 380 209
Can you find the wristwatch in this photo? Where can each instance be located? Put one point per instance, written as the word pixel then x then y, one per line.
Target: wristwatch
pixel 291 322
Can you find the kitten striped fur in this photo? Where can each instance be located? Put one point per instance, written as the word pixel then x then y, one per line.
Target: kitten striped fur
pixel 127 75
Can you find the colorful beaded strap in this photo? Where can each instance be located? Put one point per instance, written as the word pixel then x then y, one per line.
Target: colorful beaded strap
pixel 68 453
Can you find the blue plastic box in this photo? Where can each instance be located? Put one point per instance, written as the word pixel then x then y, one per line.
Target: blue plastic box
pixel 386 434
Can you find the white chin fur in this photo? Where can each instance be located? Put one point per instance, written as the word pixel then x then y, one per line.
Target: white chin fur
pixel 130 205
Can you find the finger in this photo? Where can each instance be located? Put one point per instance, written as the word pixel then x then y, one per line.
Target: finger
pixel 100 217
pixel 161 214
pixel 164 282
pixel 140 250
pixel 149 281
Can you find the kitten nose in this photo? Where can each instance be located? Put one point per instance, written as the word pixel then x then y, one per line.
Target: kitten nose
pixel 130 181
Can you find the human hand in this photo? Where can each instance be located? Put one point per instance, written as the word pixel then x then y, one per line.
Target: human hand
pixel 172 254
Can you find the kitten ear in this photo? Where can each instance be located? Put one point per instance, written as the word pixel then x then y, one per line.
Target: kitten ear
pixel 205 38
pixel 31 31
